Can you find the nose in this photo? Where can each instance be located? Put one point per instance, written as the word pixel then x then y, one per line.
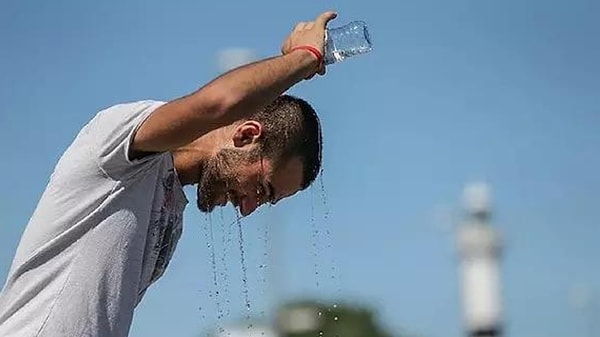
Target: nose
pixel 249 205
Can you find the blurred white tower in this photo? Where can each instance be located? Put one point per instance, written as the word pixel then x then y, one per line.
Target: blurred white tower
pixel 480 249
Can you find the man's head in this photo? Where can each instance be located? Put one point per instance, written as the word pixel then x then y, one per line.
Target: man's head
pixel 270 156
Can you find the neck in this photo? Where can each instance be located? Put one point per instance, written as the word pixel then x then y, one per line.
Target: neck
pixel 190 159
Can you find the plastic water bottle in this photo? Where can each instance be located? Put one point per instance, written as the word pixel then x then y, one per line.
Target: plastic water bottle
pixel 346 41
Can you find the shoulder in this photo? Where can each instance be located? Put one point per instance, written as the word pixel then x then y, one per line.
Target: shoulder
pixel 111 133
pixel 133 107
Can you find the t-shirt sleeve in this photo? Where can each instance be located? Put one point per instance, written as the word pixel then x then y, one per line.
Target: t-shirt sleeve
pixel 111 133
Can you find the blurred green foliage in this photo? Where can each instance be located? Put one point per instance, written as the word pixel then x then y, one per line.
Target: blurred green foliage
pixel 330 321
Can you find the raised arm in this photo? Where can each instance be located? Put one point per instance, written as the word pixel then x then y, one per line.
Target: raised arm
pixel 234 95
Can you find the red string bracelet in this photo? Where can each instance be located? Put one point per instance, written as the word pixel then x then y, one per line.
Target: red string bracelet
pixel 313 50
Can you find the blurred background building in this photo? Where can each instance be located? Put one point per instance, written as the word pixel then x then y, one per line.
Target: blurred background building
pixel 480 248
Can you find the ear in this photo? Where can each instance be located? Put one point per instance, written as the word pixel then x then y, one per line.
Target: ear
pixel 247 133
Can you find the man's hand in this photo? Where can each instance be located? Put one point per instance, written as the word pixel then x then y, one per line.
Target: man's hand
pixel 309 34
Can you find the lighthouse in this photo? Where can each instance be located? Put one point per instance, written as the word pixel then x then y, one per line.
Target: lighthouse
pixel 479 249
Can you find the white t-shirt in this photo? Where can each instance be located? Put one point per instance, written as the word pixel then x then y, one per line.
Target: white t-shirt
pixel 104 230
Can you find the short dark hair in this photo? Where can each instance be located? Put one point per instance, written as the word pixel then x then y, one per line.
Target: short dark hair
pixel 291 128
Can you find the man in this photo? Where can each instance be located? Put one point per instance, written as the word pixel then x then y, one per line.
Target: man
pixel 110 218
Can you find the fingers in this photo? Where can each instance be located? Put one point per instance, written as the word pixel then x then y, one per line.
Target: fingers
pixel 304 26
pixel 324 18
pixel 310 33
pixel 301 26
pixel 321 22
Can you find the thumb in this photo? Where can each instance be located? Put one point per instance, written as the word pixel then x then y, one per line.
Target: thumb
pixel 324 18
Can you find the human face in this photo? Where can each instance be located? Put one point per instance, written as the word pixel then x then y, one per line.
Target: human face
pixel 247 181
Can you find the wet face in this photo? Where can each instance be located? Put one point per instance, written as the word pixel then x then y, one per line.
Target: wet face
pixel 247 180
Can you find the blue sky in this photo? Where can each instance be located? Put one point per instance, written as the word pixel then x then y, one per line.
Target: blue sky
pixel 454 91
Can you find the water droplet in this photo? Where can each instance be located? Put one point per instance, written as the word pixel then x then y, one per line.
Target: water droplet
pixel 335 306
pixel 330 251
pixel 320 314
pixel 211 248
pixel 335 318
pixel 324 195
pixel 314 238
pixel 244 267
pixel 225 241
pixel 320 333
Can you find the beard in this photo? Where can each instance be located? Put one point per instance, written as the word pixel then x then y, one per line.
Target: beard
pixel 210 187
pixel 218 178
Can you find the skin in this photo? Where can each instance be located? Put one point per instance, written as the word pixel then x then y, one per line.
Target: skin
pixel 244 179
pixel 213 142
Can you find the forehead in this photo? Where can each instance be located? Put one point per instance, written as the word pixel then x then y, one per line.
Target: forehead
pixel 286 178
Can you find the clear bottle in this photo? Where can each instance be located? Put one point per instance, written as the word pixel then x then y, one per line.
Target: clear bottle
pixel 346 41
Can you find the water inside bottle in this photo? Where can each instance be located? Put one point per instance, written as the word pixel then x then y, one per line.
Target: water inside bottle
pixel 347 41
